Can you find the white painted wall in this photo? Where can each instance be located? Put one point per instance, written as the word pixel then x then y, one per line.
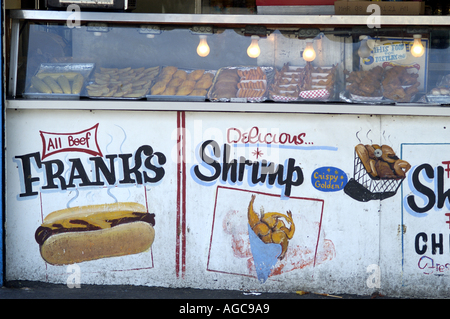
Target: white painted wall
pixel 340 245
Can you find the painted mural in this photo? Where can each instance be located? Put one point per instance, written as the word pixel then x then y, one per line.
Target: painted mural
pixel 268 243
pixel 90 193
pixel 186 200
pixel 83 233
pixel 378 173
pixel 425 212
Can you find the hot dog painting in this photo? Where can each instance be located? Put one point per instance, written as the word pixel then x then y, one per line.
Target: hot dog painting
pixel 85 233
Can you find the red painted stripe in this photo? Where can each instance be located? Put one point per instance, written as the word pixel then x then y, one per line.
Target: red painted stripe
pixel 177 248
pixel 183 193
pixel 180 261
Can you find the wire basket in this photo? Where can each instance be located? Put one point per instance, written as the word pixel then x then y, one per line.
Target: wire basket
pixel 364 187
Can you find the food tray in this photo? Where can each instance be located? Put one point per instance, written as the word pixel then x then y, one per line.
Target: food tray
pixel 84 69
pixel 319 91
pixel 53 96
pixel 185 98
pixel 380 99
pixel 145 74
pixel 268 71
pixel 285 86
pixel 365 98
pixel 319 94
pixel 346 96
pixel 441 99
pixel 283 98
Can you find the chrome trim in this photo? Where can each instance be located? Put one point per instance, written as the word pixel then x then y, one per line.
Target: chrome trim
pixel 14 58
pixel 324 108
pixel 230 18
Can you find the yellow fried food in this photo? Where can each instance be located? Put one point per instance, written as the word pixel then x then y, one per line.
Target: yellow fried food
pixel 195 75
pixel 180 74
pixel 271 228
pixel 198 92
pixel 171 90
pixel 154 69
pixel 69 75
pixel 158 88
pixel 64 84
pixel 52 84
pixel 170 70
pixel 136 93
pixel 77 84
pixel 166 78
pixel 39 85
pixel 185 89
pixel 175 82
pixel 203 83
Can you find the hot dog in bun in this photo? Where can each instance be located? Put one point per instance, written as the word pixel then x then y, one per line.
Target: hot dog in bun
pixel 92 232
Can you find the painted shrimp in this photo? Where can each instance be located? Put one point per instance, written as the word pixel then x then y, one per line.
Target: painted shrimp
pixel 270 228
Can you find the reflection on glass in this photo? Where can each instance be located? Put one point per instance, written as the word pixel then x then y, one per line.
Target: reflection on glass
pixel 309 54
pixel 364 51
pixel 203 47
pixel 417 50
pixel 253 50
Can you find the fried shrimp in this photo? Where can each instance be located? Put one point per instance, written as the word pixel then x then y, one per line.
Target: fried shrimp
pixel 270 228
pixel 401 167
pixel 388 154
pixel 381 162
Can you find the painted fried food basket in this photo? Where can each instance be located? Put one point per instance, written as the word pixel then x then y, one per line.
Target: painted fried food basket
pixel 378 173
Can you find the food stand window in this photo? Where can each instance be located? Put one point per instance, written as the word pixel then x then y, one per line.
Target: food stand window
pixel 136 62
pixel 299 64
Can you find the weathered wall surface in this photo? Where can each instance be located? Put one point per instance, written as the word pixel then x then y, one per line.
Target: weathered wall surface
pixel 271 202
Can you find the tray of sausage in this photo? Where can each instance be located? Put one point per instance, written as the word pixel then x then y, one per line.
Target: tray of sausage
pixel 247 84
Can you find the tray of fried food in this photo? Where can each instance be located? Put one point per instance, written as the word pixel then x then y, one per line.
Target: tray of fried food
pixel 181 84
pixel 224 86
pixel 241 82
pixel 251 89
pixel 318 82
pixel 286 83
pixel 124 83
pixel 400 84
pixel 440 93
pixel 323 77
pixel 253 83
pixel 58 81
pixel 365 85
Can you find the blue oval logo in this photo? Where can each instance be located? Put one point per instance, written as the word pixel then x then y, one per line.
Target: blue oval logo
pixel 329 179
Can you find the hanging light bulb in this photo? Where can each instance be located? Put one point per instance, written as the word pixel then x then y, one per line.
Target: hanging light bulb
pixel 364 50
pixel 417 50
pixel 309 54
pixel 203 47
pixel 253 50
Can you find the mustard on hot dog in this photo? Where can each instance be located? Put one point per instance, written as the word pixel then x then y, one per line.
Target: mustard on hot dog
pixel 92 232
